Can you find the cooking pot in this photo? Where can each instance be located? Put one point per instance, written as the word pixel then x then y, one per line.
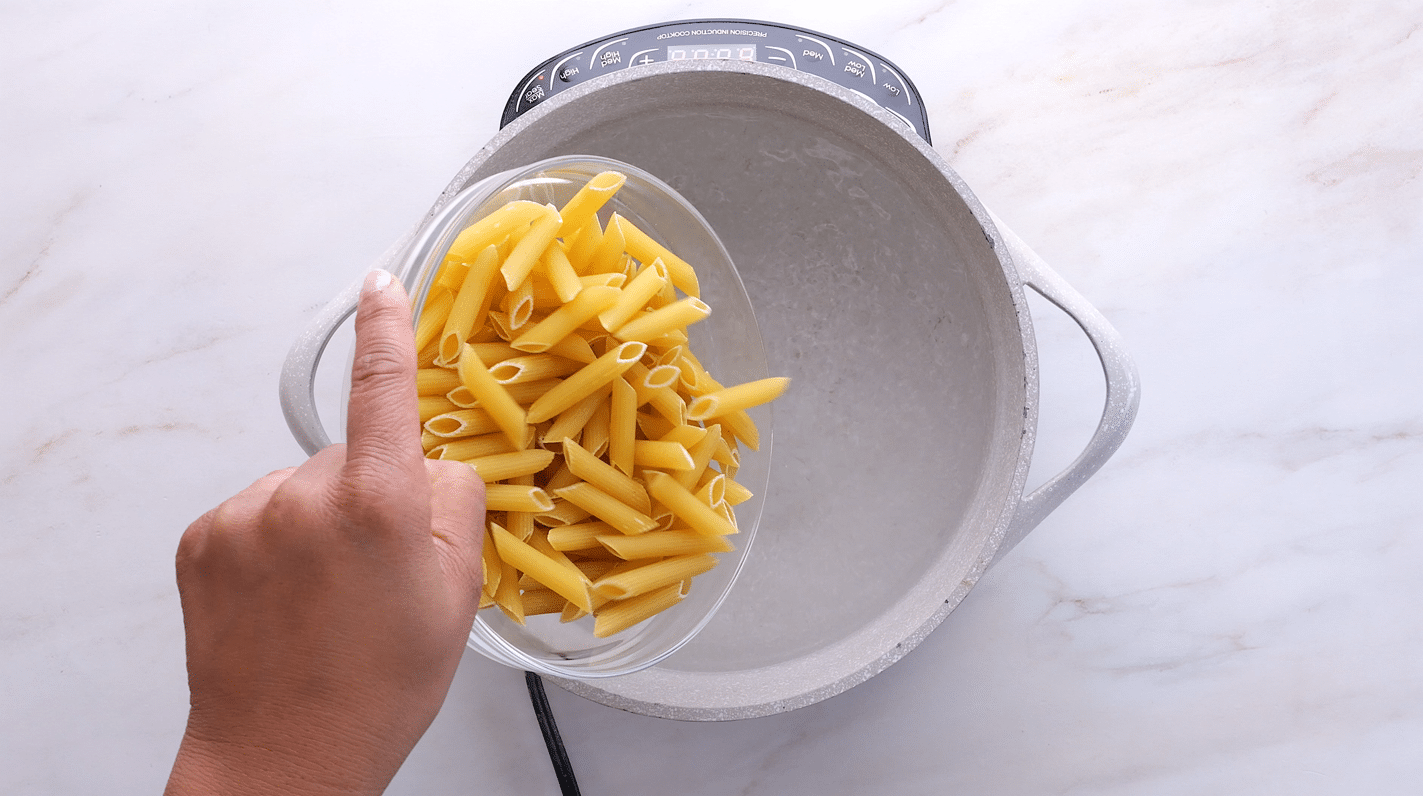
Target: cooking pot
pixel 895 302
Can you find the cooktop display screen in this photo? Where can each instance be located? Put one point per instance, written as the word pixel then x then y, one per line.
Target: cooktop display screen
pixel 847 64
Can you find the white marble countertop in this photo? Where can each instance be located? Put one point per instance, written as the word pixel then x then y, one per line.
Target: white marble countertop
pixel 1231 606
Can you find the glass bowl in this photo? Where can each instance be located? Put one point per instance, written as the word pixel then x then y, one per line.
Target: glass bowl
pixel 728 343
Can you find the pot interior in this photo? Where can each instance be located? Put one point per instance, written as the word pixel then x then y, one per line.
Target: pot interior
pixel 897 447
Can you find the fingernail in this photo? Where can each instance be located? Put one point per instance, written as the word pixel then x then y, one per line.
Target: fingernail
pixel 380 281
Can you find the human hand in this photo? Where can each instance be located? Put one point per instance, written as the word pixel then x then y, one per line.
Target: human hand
pixel 326 606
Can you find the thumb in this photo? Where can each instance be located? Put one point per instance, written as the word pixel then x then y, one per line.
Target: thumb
pixel 382 426
pixel 457 521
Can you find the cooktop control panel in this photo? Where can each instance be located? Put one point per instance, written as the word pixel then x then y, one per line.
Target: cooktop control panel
pixel 851 66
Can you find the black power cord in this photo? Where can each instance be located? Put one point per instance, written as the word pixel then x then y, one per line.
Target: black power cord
pixel 557 755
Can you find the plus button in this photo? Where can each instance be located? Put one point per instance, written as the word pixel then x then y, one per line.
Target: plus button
pixel 645 60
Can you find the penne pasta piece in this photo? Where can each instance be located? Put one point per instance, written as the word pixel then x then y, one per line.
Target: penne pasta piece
pixel 561 275
pixel 561 322
pixel 436 381
pixel 736 398
pixel 427 355
pixel 539 541
pixel 582 248
pixel 432 317
pixel 736 494
pixel 515 498
pixel 701 517
pixel 490 564
pixel 702 452
pixel 606 477
pixel 499 466
pixel 550 573
pixel 607 258
pixel 662 376
pixel 563 513
pixel 431 405
pixel 726 512
pixel 652 325
pixel 466 448
pixel 575 348
pixel 648 283
pixel 713 492
pixel 603 280
pixel 587 201
pixel 532 367
pixel 662 543
pixel 595 434
pixel 570 422
pixel 461 423
pixel 492 396
pixel 493 352
pixel 653 427
pixel 518 304
pixel 453 272
pixel 471 304
pixel 519 523
pixel 542 601
pixel 583 536
pixel 595 568
pixel 622 426
pixel 582 383
pixel 607 508
pixel 525 392
pixel 740 426
pixel 640 245
pixel 527 251
pixel 648 578
pixel 686 436
pixel 507 596
pixel 429 441
pixel 661 455
pixel 618 616
pixel 493 228
pixel 502 326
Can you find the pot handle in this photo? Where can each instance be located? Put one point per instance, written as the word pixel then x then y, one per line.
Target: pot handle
pixel 1123 389
pixel 297 387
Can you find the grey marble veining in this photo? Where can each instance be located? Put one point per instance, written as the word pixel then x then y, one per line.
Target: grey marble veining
pixel 1230 605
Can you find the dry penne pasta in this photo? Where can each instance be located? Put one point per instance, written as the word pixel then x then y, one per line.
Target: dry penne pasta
pixel 580 209
pixel 662 543
pixel 587 379
pixel 649 326
pixel 545 570
pixel 509 416
pixel 640 245
pixel 470 305
pixel 607 508
pixel 499 466
pixel 620 615
pixel 661 455
pixel 461 423
pixel 701 517
pixel 583 536
pixel 561 322
pixel 606 477
pixel 432 405
pixel 554 360
pixel 512 497
pixel 467 448
pixel 647 578
pixel 435 381
pixel 530 247
pixel 736 398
